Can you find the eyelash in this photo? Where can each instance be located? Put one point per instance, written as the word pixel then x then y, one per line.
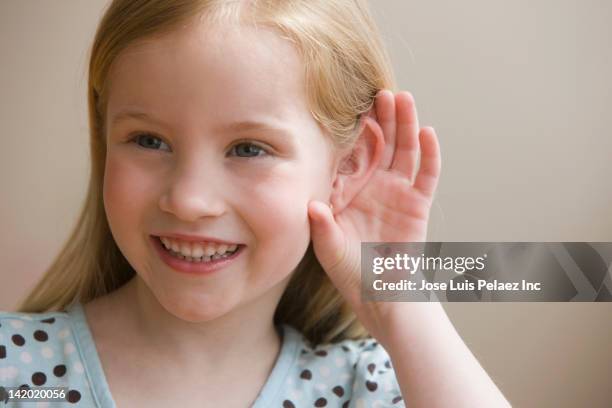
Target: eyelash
pixel 134 139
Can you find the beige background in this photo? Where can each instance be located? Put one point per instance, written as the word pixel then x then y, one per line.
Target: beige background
pixel 519 92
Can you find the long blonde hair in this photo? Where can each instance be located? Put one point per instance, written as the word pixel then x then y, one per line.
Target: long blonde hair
pixel 345 65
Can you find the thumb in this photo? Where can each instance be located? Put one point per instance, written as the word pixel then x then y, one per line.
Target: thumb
pixel 327 237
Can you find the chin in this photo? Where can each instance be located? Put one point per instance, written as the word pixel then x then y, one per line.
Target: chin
pixel 195 309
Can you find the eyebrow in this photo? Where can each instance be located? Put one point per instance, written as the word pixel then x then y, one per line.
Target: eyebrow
pixel 237 127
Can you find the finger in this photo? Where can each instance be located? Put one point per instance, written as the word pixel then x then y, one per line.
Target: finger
pixel 331 249
pixel 326 235
pixel 385 112
pixel 431 162
pixel 407 143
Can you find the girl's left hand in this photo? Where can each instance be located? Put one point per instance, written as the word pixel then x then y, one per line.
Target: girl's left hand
pixel 393 206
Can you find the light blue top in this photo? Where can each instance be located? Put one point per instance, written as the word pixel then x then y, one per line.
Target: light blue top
pixel 56 349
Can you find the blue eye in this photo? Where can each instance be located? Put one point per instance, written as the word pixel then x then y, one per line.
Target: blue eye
pixel 149 141
pixel 243 149
pixel 249 149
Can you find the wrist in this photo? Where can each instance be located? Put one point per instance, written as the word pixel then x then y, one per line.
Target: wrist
pixel 408 322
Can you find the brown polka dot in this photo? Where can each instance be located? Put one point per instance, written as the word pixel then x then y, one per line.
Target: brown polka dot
pixel 306 375
pixel 59 370
pixel 354 366
pixel 39 378
pixel 41 335
pixel 371 385
pixel 361 344
pixel 388 364
pixel 304 351
pixel 2 351
pixel 288 404
pixel 73 396
pixel 18 340
pixel 371 367
pixel 321 402
pixel 321 353
pixel 338 390
pixel 49 320
pixel 24 387
pixel 396 399
pixel 345 348
pixel 346 404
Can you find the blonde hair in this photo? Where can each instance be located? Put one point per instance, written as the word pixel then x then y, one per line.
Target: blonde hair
pixel 345 65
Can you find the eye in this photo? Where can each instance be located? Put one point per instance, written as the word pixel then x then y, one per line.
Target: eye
pixel 243 149
pixel 147 141
pixel 250 150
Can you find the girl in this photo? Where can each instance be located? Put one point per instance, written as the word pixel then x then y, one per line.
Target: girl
pixel 241 152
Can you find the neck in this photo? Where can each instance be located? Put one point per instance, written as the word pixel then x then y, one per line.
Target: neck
pixel 242 337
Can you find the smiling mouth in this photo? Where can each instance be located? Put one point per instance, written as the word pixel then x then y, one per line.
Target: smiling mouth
pixel 200 259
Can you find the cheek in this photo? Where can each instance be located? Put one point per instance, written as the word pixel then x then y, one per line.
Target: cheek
pixel 125 194
pixel 278 216
pixel 279 207
pixel 115 189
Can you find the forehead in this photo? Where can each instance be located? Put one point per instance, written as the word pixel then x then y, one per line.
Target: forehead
pixel 202 74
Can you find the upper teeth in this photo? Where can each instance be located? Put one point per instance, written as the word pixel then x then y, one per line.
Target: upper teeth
pixel 196 250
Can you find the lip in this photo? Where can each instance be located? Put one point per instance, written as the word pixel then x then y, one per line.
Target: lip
pixel 182 266
pixel 195 238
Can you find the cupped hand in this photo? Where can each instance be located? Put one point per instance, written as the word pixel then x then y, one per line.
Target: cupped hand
pixel 393 206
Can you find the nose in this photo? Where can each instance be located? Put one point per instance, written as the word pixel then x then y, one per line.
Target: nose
pixel 194 192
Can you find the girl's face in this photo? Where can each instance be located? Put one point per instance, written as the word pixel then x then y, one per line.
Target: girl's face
pixel 232 153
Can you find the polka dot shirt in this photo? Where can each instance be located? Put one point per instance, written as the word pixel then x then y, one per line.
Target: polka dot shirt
pixel 56 349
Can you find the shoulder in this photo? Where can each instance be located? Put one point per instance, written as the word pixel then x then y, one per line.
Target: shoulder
pixel 39 350
pixel 37 325
pixel 349 373
pixel 30 336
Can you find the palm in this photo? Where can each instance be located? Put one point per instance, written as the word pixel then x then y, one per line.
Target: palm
pixel 387 209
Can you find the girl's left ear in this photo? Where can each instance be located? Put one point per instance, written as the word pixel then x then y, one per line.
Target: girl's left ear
pixel 356 167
